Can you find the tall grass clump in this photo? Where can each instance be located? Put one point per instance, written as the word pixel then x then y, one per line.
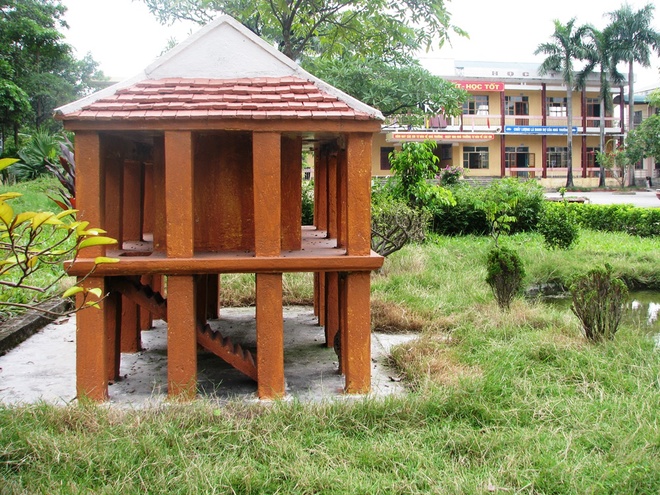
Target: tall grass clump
pixel 505 275
pixel 598 302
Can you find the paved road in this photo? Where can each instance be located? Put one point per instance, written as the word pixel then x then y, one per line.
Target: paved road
pixel 646 199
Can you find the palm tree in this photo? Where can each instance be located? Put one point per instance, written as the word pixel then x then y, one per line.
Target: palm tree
pixel 600 54
pixel 566 46
pixel 633 40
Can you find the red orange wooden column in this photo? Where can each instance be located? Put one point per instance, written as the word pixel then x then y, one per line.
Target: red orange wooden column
pixel 331 319
pixel 181 305
pixel 266 175
pixel 357 345
pixel 91 335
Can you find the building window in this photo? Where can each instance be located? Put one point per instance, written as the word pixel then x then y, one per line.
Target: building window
pixel 591 157
pixel 557 157
pixel 385 158
pixel 637 118
pixel 475 157
pixel 445 152
pixel 593 110
pixel 476 105
pixel 517 105
pixel 556 107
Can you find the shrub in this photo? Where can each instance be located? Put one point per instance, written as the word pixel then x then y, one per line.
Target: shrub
pixel 598 302
pixel 308 202
pixel 505 273
pixel 625 218
pixel 467 216
pixel 394 224
pixel 450 175
pixel 558 226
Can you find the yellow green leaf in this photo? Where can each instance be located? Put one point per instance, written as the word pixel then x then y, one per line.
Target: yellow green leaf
pixel 96 241
pixel 94 231
pixel 65 213
pixel 24 217
pixel 32 262
pixel 81 227
pixel 40 218
pixel 96 291
pixel 6 213
pixel 5 162
pixel 92 304
pixel 72 291
pixel 102 260
pixel 9 195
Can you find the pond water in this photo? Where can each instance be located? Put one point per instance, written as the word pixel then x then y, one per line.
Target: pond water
pixel 642 310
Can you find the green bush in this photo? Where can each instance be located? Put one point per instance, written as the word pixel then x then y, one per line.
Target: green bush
pixel 505 273
pixel 558 226
pixel 308 202
pixel 467 216
pixel 629 219
pixel 598 302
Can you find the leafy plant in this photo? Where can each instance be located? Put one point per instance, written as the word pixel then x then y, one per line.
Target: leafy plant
pixel 66 175
pixel 450 175
pixel 413 167
pixel 394 224
pixel 31 241
pixel 41 148
pixel 505 273
pixel 558 225
pixel 598 302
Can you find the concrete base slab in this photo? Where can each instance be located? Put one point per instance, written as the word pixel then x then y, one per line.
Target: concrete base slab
pixel 43 367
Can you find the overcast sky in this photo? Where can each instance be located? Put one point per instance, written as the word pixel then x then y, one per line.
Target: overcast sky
pixel 124 37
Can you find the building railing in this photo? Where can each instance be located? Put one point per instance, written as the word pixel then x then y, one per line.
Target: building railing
pixel 493 122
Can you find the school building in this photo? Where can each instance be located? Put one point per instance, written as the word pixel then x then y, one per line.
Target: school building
pixel 514 123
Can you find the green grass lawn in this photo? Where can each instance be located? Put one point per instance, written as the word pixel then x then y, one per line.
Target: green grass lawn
pixel 499 402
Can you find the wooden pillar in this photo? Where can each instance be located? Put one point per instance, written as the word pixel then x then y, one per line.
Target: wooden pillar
pixel 148 206
pixel 131 341
pixel 207 296
pixel 114 189
pixel 342 191
pixel 181 304
pixel 181 337
pixel 133 200
pixel 113 332
pixel 331 318
pixel 160 220
pixel 266 155
pixel 91 324
pixel 146 318
pixel 291 207
pixel 356 348
pixel 358 195
pixel 270 336
pixel 92 346
pixel 331 307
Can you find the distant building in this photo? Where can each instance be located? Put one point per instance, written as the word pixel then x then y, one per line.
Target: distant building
pixel 514 123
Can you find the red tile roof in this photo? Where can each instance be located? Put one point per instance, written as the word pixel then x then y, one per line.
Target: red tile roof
pixel 253 98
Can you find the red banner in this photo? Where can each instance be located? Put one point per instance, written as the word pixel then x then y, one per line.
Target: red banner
pixel 480 86
pixel 440 136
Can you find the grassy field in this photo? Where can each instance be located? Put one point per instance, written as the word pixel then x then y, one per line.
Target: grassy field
pixel 499 402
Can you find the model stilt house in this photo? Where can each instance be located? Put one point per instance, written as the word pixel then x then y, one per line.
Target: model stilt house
pixel 195 167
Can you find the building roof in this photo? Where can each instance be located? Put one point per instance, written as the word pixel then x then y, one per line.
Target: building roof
pixel 224 71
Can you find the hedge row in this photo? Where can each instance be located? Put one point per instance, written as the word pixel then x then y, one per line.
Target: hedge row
pixel 644 222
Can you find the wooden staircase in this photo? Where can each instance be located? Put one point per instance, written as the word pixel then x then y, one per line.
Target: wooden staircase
pixel 241 359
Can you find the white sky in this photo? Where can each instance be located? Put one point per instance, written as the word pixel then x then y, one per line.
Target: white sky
pixel 124 37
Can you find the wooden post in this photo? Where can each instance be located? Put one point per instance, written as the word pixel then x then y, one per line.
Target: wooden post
pixel 270 336
pixel 356 348
pixel 113 332
pixel 358 200
pixel 291 207
pixel 181 304
pixel 91 324
pixel 267 234
pixel 92 346
pixel 181 337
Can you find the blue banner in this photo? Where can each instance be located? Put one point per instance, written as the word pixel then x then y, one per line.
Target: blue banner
pixel 537 129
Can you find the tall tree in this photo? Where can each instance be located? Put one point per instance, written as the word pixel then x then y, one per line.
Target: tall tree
pixel 633 42
pixel 325 27
pixel 567 46
pixel 600 54
pixel 41 65
pixel 402 89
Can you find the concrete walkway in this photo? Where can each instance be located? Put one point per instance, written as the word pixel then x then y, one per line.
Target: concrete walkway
pixel 43 367
pixel 645 199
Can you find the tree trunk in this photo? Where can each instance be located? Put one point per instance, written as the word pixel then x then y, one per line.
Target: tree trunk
pixel 569 137
pixel 631 119
pixel 601 143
